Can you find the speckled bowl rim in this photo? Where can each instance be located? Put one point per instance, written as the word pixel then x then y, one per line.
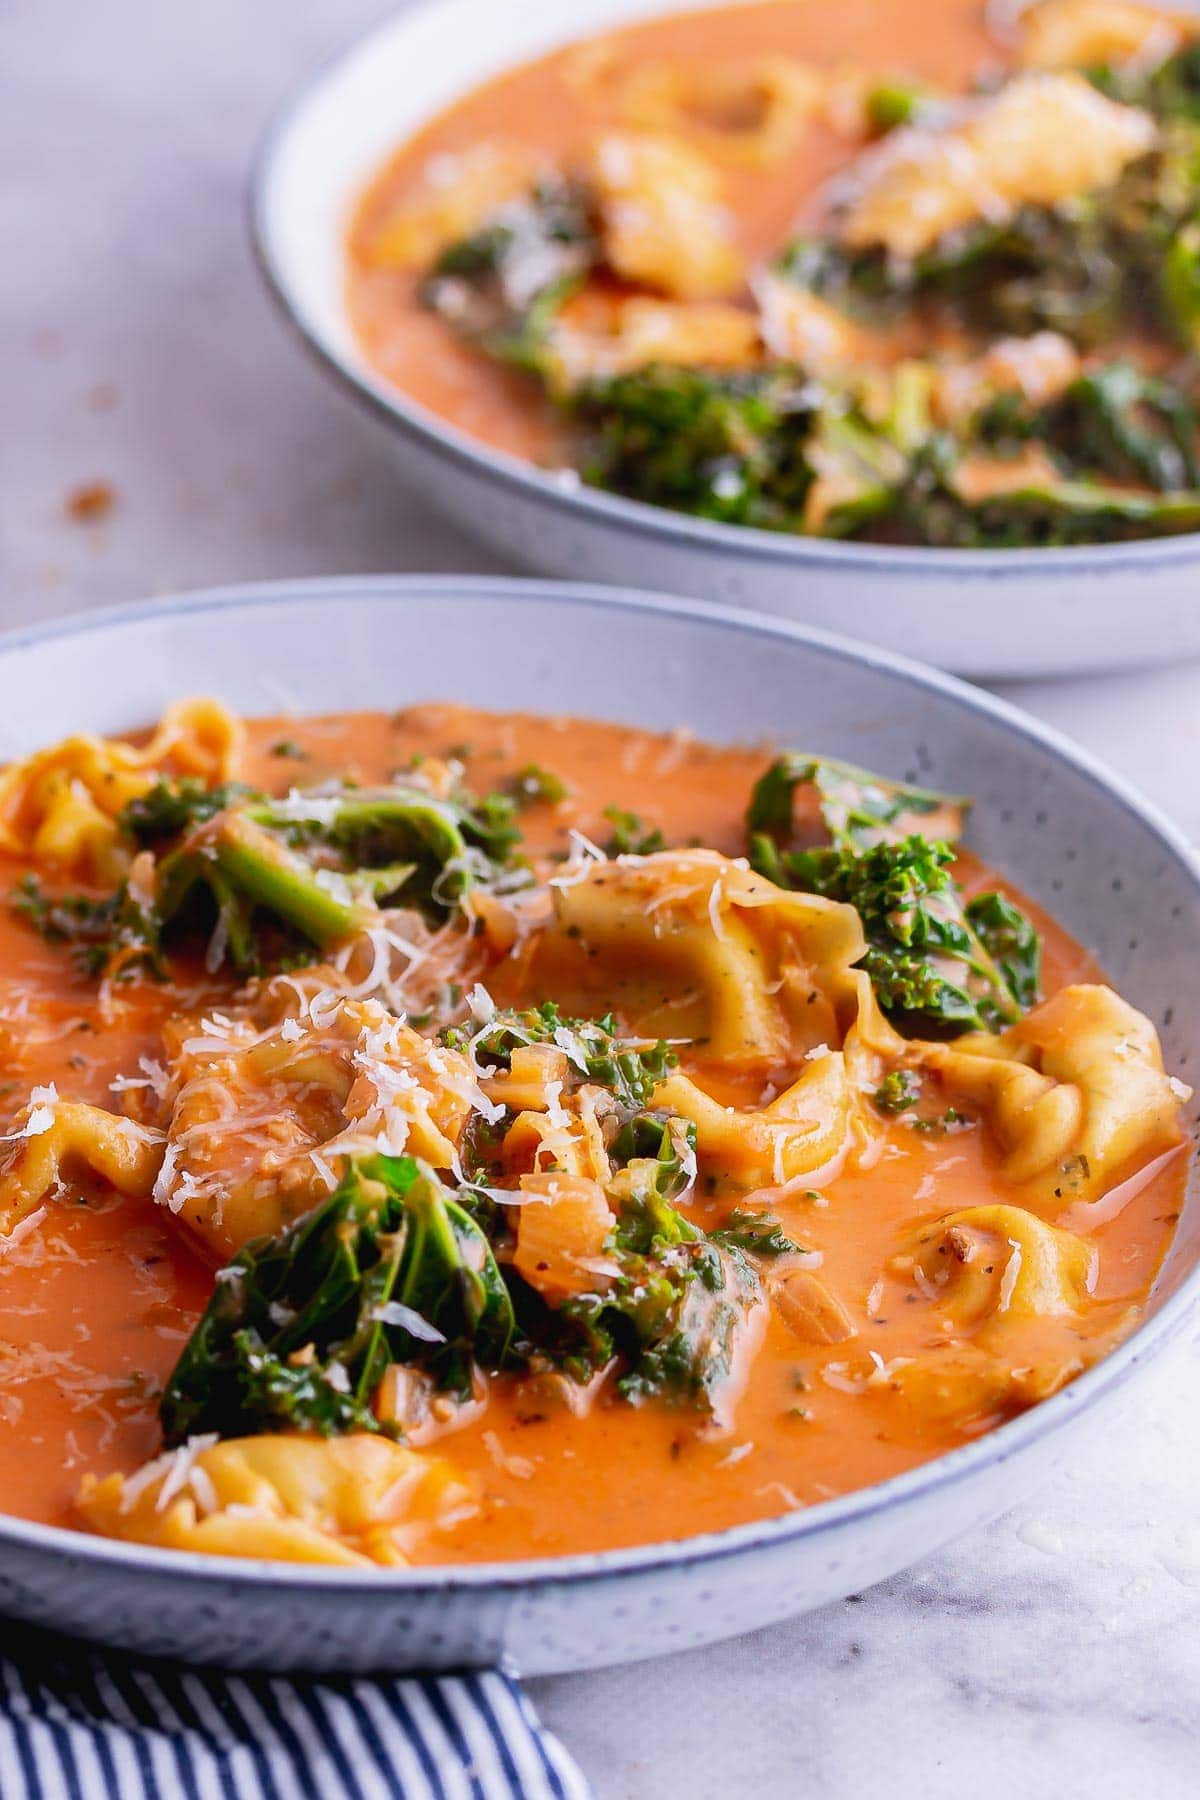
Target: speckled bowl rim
pixel 994 1448
pixel 635 517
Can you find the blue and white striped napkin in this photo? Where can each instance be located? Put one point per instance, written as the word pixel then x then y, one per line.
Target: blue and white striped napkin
pixel 76 1724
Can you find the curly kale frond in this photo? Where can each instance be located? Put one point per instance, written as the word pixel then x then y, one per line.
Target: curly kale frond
pixel 504 285
pixel 855 808
pixel 1112 420
pixel 726 446
pixel 629 1068
pixel 1012 942
pixel 675 1314
pixel 631 836
pixel 172 807
pixel 866 841
pixel 917 933
pixel 1170 90
pixel 756 1235
pixel 302 1326
pixel 681 1300
pixel 1043 514
pixel 112 931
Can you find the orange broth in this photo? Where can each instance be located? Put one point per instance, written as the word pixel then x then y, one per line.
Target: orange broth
pixel 96 1301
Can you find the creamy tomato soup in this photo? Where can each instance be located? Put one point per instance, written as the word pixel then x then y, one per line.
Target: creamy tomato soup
pixel 876 270
pixel 466 1136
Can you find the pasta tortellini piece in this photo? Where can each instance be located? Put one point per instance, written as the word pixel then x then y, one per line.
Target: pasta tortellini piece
pixel 356 1500
pixel 661 221
pixel 1041 140
pixel 1012 1290
pixel 708 334
pixel 771 971
pixel 801 327
pixel 974 1389
pixel 1039 368
pixel 60 806
pixel 56 1139
pixel 1076 1092
pixel 259 1120
pixel 996 1267
pixel 751 113
pixel 457 193
pixel 1095 34
pixel 796 1134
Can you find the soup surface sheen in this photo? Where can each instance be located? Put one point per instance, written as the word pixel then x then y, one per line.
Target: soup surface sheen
pixel 99 1292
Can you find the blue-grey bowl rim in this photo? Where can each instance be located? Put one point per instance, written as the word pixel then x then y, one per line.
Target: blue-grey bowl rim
pixel 536 485
pixel 582 1568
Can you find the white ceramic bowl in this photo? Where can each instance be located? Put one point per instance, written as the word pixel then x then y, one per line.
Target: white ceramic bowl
pixel 982 612
pixel 1071 834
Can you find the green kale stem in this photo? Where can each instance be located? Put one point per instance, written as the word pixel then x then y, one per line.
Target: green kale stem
pixel 295 877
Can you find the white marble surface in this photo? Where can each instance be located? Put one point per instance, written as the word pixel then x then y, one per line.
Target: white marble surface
pixel 1057 1653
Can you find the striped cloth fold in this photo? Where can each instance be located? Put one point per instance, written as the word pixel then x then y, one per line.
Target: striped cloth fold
pixel 76 1724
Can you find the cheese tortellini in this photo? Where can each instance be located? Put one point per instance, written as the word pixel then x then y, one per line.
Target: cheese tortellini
pixel 55 1140
pixel 769 973
pixel 355 1501
pixel 60 806
pixel 1075 1092
pixel 259 1122
pixel 1097 34
pixel 1011 1291
pixel 661 219
pixel 751 113
pixel 998 1267
pixel 1041 140
pixel 798 1133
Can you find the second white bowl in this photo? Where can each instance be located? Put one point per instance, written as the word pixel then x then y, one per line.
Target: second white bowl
pixel 980 612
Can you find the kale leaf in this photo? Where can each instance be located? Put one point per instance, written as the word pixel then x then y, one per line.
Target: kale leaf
pixel 302 1326
pixel 1113 421
pixel 856 809
pixel 631 836
pixel 936 965
pixel 726 446
pixel 172 807
pixel 675 1313
pixel 267 883
pixel 1013 944
pixel 629 1069
pixel 917 931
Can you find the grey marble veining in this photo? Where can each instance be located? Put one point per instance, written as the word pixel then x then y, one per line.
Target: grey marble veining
pixel 1057 1653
